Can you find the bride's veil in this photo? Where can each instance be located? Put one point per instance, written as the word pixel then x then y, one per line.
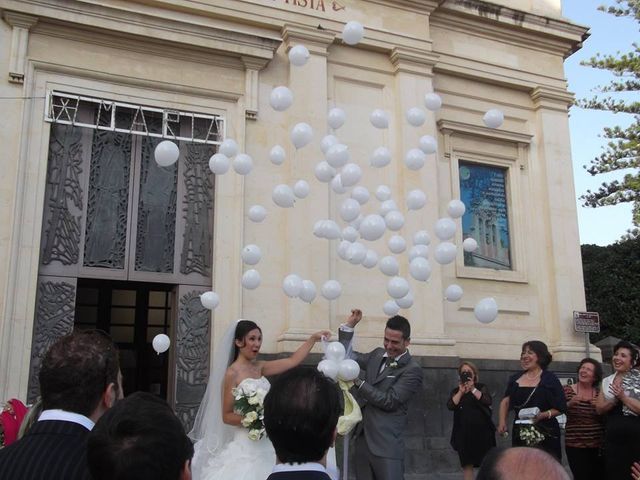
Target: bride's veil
pixel 209 432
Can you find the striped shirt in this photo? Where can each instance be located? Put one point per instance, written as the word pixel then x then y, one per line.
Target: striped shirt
pixel 585 428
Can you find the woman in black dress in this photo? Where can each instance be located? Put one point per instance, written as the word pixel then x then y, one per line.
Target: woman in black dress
pixel 537 387
pixel 619 399
pixel 473 433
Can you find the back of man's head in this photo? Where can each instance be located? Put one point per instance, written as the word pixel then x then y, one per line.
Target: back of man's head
pixel 300 414
pixel 140 438
pixel 77 370
pixel 523 463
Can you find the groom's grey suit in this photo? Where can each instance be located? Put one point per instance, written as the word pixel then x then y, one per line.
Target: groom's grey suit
pixel 384 398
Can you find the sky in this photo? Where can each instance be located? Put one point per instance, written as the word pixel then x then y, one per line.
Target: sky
pixel 602 225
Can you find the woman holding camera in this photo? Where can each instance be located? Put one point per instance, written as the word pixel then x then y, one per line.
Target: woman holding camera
pixel 473 433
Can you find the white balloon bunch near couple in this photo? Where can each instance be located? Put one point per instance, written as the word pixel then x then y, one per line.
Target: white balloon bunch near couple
pixel 337 367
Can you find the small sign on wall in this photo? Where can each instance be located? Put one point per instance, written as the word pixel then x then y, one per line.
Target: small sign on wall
pixel 586 322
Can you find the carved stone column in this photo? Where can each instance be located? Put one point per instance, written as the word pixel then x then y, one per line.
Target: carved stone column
pixel 19 41
pixel 253 66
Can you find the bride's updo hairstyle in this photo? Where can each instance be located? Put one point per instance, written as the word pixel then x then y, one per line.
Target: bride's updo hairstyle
pixel 242 329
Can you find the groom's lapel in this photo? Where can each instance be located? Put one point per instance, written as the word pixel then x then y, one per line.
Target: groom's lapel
pixel 392 372
pixel 375 363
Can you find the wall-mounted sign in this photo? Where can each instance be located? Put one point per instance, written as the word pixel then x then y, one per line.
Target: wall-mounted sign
pixel 586 322
pixel 318 5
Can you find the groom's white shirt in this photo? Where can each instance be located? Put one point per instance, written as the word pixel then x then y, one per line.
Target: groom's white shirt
pixel 299 467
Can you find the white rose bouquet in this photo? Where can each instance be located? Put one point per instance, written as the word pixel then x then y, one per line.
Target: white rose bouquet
pixel 530 435
pixel 249 402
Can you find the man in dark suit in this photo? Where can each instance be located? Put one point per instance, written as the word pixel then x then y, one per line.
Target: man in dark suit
pixel 79 380
pixel 301 413
pixel 139 438
pixel 391 378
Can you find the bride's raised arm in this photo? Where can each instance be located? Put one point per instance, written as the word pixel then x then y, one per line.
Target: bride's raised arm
pixel 228 415
pixel 275 367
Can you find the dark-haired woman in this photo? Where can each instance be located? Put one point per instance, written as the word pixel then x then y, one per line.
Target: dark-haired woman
pixel 473 433
pixel 535 386
pixel 619 399
pixel 584 432
pixel 225 449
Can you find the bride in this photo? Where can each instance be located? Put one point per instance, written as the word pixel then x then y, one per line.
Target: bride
pixel 223 450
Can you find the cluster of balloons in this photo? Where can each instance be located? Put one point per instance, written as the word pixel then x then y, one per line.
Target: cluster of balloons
pixel 343 174
pixel 335 366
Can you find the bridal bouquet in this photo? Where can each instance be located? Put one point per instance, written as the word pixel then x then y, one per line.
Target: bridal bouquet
pixel 530 435
pixel 249 402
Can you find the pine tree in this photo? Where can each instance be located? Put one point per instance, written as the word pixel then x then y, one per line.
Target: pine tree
pixel 621 152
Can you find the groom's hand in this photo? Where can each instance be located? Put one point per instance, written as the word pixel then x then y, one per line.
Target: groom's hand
pixel 354 318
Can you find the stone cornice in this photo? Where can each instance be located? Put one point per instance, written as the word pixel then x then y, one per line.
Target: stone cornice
pixel 448 126
pixel 413 60
pixel 551 99
pixel 16 19
pixel 488 20
pixel 316 40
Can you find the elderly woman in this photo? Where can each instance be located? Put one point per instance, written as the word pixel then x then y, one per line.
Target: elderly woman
pixel 619 399
pixel 535 386
pixel 584 432
pixel 473 433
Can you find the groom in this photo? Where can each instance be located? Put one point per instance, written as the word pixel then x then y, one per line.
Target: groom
pixel 391 378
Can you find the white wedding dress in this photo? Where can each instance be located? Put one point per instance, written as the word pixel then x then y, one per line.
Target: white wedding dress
pixel 241 458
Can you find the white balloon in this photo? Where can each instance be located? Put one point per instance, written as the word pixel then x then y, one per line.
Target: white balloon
pixel 456 208
pixel 445 228
pixel 493 118
pixel 416 116
pixel 308 292
pixel 389 266
pixel 292 285
pixel 356 223
pixel 387 206
pixel 329 368
pixel 351 174
pixel 343 247
pixel 251 279
pixel 257 213
pixel 229 147
pixel 336 185
pixel 418 251
pixel 219 164
pixel 469 245
pixel 352 32
pixel 360 194
pixel 381 157
pixel 251 254
pixel 335 351
pixel 350 234
pixel 299 55
pixel 356 253
pixel 242 164
pixel 330 230
pixel 390 308
pixel 348 370
pixel 421 237
pixel 397 287
pixel 379 118
pixel 486 310
pixel 394 220
pixel 161 343
pixel 416 199
pixel 331 289
pixel 445 253
pixel 281 98
pixel 414 159
pixel 277 155
pixel 432 101
pixel 420 269
pixel 383 192
pixel 338 155
pixel 166 153
pixel 301 134
pixel 406 301
pixel 324 172
pixel 397 244
pixel 301 189
pixel 209 300
pixel 327 141
pixel 371 259
pixel 282 196
pixel 372 227
pixel 349 210
pixel 336 118
pixel 428 144
pixel 453 293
